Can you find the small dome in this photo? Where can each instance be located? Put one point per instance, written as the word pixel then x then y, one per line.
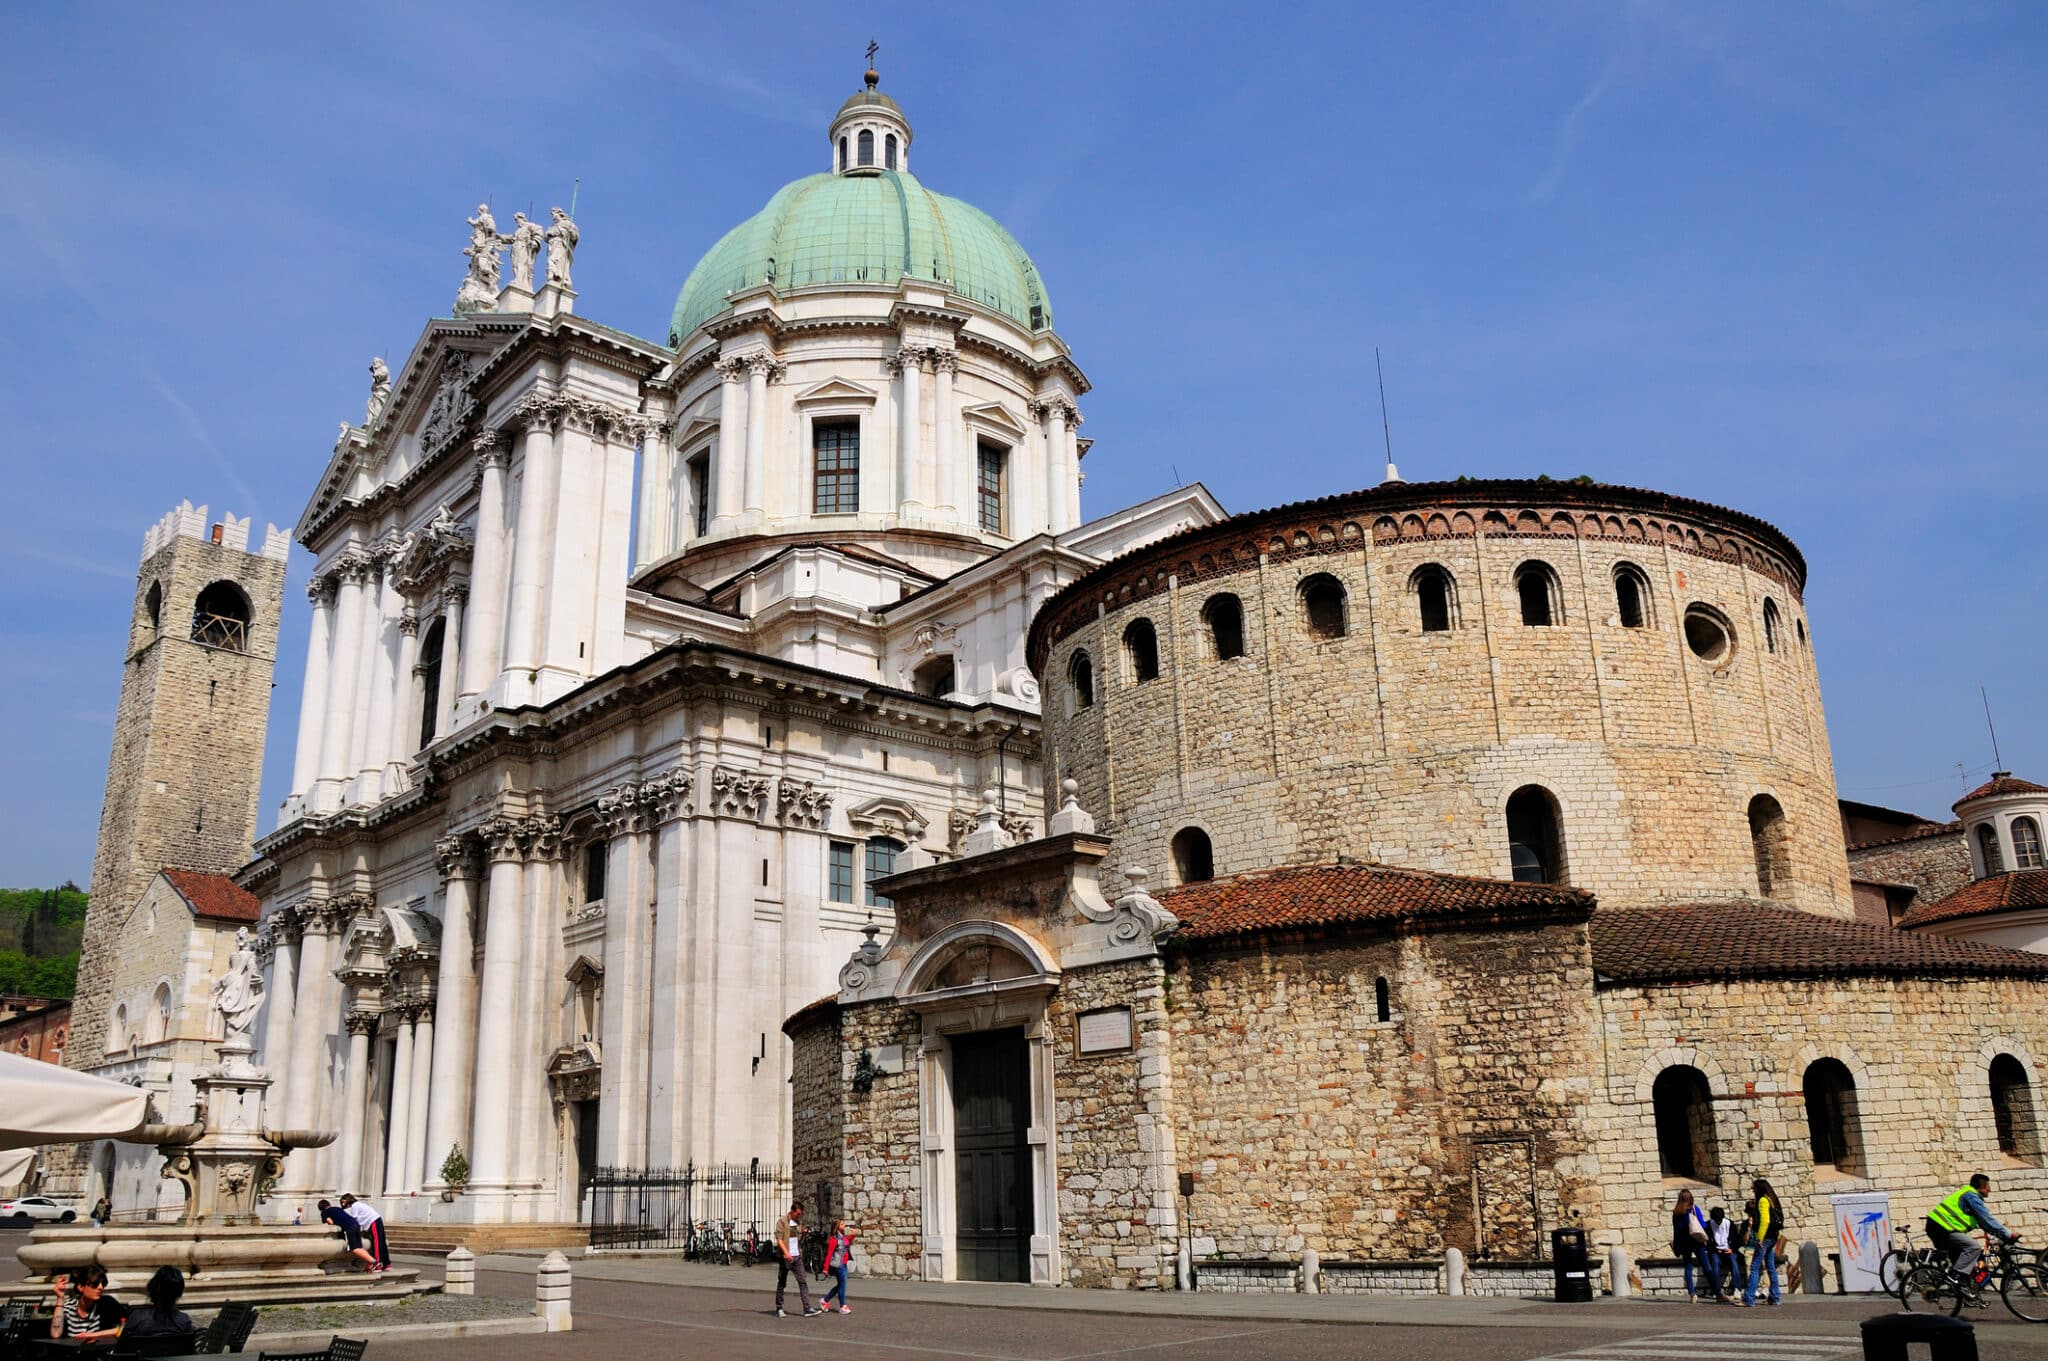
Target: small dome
pixel 868 99
pixel 876 228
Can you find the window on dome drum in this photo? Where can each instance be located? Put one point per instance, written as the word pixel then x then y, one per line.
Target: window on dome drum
pixel 153 606
pixel 988 484
pixel 1382 999
pixel 2012 1109
pixel 220 617
pixel 842 155
pixel 1771 625
pixel 839 871
pixel 700 493
pixel 1224 614
pixel 2026 844
pixel 835 447
pixel 1708 634
pixel 881 863
pixel 1081 681
pixel 1536 585
pixel 889 152
pixel 867 147
pixel 1987 849
pixel 1434 594
pixel 1831 1132
pixel 934 678
pixel 1323 602
pixel 1682 1108
pixel 1194 861
pixel 594 856
pixel 1769 844
pixel 1535 838
pixel 1631 596
pixel 432 647
pixel 1141 652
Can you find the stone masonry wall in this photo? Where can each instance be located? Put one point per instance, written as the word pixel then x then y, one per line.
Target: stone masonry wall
pixel 883 1149
pixel 1919 1052
pixel 1401 746
pixel 818 1096
pixel 1937 865
pixel 1310 1123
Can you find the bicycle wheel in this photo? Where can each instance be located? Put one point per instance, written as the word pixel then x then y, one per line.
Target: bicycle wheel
pixel 1891 1270
pixel 2025 1290
pixel 1929 1289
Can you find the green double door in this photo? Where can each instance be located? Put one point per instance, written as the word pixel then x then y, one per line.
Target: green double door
pixel 991 1156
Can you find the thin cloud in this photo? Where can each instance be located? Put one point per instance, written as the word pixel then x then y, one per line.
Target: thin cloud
pixel 70 562
pixel 1567 139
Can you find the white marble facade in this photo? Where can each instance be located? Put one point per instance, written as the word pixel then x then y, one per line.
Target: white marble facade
pixel 607 717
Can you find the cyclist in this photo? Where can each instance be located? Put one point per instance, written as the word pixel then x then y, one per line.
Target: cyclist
pixel 1950 1223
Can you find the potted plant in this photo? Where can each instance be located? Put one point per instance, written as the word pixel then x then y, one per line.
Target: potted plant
pixel 454 1173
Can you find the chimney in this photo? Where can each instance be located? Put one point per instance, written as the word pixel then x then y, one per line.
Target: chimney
pixel 216 533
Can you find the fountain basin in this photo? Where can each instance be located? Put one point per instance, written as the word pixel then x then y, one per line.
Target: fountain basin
pixel 255 1262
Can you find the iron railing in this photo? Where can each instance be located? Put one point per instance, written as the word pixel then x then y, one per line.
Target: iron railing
pixel 660 1207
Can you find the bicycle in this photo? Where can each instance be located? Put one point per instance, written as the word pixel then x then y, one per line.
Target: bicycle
pixel 1936 1287
pixel 1901 1258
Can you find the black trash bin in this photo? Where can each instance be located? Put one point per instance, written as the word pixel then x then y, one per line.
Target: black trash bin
pixel 1885 1337
pixel 1570 1266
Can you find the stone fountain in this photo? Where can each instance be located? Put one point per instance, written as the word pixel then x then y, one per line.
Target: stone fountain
pixel 225 1159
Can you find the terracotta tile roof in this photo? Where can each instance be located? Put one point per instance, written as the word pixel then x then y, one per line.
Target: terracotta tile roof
pixel 1917 834
pixel 1305 896
pixel 1696 942
pixel 2001 783
pixel 811 1011
pixel 2013 891
pixel 215 895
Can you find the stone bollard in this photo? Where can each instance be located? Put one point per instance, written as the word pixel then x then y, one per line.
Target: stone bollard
pixel 459 1278
pixel 1617 1271
pixel 1810 1280
pixel 1454 1272
pixel 1311 1270
pixel 551 1292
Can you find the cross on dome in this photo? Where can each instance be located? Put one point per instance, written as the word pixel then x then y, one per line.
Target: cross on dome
pixel 869 134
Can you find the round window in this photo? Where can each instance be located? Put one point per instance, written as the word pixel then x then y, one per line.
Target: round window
pixel 1708 635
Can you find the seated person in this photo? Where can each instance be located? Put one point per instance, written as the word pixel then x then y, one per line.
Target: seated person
pixel 85 1311
pixel 341 1219
pixel 157 1328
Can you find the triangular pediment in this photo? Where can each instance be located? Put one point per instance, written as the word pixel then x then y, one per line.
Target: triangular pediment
pixel 890 817
pixel 836 390
pixel 697 428
pixel 996 416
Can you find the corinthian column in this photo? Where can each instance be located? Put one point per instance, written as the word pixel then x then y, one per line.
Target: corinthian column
pixel 404 737
pixel 532 554
pixel 952 475
pixel 482 649
pixel 909 425
pixel 1058 506
pixel 354 1099
pixel 401 1104
pixel 760 368
pixel 380 632
pixel 279 941
pixel 413 1171
pixel 341 691
pixel 455 995
pixel 453 597
pixel 313 694
pixel 727 464
pixel 490 1159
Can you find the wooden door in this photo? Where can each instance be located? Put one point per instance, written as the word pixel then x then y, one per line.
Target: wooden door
pixel 991 1160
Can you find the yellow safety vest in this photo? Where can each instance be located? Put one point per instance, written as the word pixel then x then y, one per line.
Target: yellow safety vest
pixel 1951 1215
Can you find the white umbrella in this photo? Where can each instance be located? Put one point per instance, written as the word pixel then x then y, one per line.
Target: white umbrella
pixel 41 1103
pixel 14 1165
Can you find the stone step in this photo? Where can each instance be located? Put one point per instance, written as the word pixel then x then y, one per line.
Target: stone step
pixel 307 1288
pixel 438 1240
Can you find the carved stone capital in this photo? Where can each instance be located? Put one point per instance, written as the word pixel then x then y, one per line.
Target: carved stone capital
pixel 457 857
pixel 669 795
pixel 762 362
pixel 321 590
pixel 732 368
pixel 409 622
pixel 454 592
pixel 356 564
pixel 503 838
pixel 361 1022
pixel 1058 406
pixel 945 360
pixel 737 793
pixel 800 803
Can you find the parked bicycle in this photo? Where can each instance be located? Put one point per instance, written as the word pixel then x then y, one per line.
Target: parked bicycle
pixel 2021 1280
pixel 1902 1258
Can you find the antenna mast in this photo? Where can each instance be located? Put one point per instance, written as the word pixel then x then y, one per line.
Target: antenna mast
pixel 2000 760
pixel 1386 431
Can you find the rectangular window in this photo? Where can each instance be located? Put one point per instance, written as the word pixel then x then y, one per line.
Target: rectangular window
pixel 839 872
pixel 988 485
pixel 593 871
pixel 835 447
pixel 700 492
pixel 881 863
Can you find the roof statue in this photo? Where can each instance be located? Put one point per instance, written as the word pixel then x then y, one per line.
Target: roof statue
pixel 561 237
pixel 380 392
pixel 479 291
pixel 525 241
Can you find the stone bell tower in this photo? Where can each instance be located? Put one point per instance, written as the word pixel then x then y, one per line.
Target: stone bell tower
pixel 188 736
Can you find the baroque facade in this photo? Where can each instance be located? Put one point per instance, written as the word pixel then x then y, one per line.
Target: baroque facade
pixel 634 663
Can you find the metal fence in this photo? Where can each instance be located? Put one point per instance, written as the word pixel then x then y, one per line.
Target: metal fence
pixel 658 1207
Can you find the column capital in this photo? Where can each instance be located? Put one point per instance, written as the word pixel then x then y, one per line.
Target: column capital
pixel 732 368
pixel 492 450
pixel 409 622
pixel 1062 407
pixel 945 359
pixel 535 837
pixel 322 588
pixel 801 803
pixel 456 856
pixel 669 794
pixel 454 591
pixel 361 1022
pixel 738 793
pixel 357 564
pixel 761 362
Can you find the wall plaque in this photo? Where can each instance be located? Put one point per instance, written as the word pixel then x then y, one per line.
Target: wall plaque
pixel 1103 1032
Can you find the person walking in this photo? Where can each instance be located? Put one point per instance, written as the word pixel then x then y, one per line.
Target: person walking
pixel 838 1257
pixel 1689 1238
pixel 102 1211
pixel 1949 1226
pixel 789 1260
pixel 372 1225
pixel 1763 1260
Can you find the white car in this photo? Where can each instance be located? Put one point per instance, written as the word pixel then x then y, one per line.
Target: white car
pixel 35 1209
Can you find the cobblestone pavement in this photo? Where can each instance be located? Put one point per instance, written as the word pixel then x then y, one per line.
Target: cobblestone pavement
pixel 663 1309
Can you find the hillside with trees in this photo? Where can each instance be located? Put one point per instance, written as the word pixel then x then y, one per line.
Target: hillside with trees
pixel 40 929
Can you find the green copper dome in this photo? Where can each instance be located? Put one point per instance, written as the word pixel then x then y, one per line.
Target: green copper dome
pixel 865 228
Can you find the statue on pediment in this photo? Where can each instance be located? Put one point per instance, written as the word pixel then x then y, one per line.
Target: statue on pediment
pixel 380 392
pixel 479 291
pixel 562 238
pixel 525 241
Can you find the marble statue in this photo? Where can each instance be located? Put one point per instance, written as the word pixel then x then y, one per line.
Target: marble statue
pixel 525 241
pixel 562 237
pixel 380 392
pixel 479 291
pixel 238 993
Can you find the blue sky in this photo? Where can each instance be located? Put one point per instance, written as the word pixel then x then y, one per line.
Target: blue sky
pixel 1788 258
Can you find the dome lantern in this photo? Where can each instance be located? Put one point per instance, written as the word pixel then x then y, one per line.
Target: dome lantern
pixel 869 134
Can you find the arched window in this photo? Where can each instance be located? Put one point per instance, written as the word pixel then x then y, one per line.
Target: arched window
pixel 880 864
pixel 1535 837
pixel 1771 625
pixel 1831 1114
pixel 889 151
pixel 431 649
pixel 117 1034
pixel 2026 844
pixel 1631 596
pixel 1081 681
pixel 153 606
pixel 1141 652
pixel 2012 1108
pixel 156 1026
pixel 935 677
pixel 220 617
pixel 1536 585
pixel 1767 843
pixel 1382 999
pixel 1435 594
pixel 1684 1114
pixel 842 155
pixel 1987 847
pixel 1224 614
pixel 1323 602
pixel 1193 860
pixel 867 147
